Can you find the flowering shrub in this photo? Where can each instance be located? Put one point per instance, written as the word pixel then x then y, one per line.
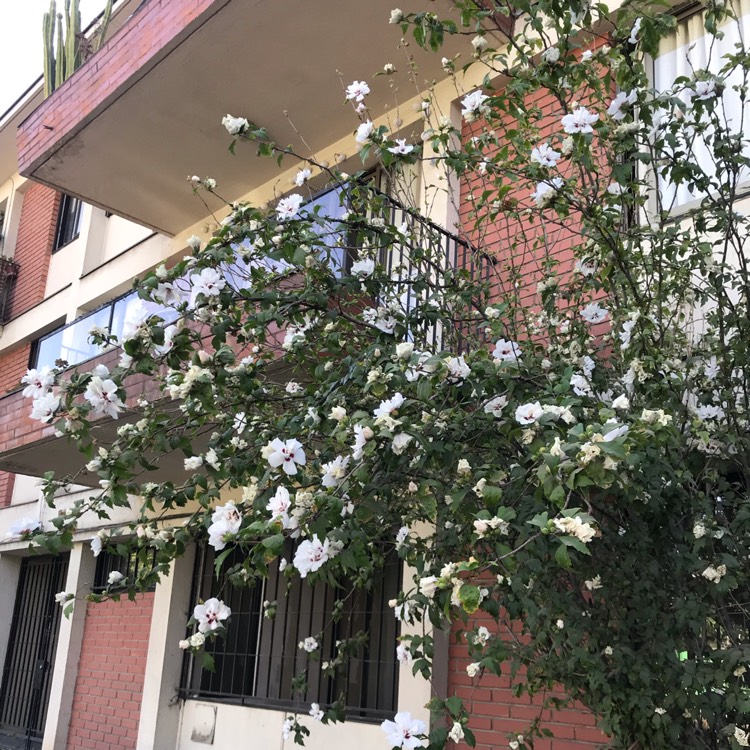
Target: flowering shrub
pixel 559 444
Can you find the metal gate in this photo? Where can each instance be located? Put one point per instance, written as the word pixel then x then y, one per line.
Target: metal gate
pixel 27 673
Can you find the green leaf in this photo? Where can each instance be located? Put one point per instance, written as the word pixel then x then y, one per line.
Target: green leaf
pixel 469 596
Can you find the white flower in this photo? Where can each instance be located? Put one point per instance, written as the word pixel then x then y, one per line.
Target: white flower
pixel 699 530
pixel 551 55
pixel 479 43
pixel 573 526
pixel 742 737
pixel 402 148
pixel 209 282
pixel 456 732
pixel 633 38
pixel 334 471
pixel 529 413
pixel 482 526
pixel 311 555
pixel 363 267
pixel 464 467
pixel 505 350
pixel 316 712
pixel 361 436
pixel 580 384
pixel 357 91
pixel 400 442
pixel 288 208
pixel 615 432
pixel 594 584
pixel 286 454
pixel 210 615
pixel 97 543
pixel 337 413
pixel 473 669
pixel 584 268
pixel 63 597
pixel 594 313
pixel 102 395
pixel 482 636
pixel 474 105
pixel 38 382
pixel 279 506
pixel 193 242
pixel 458 370
pixel 586 55
pixel 403 653
pixel 710 369
pixel 621 104
pixel 388 406
pixel 495 406
pixel 302 176
pixel 225 521
pixel 545 191
pixel 714 574
pixel 309 644
pixel 428 586
pixel 404 350
pixel 396 16
pixel 115 577
pixel 193 463
pixel 560 624
pixel 234 125
pixel 545 155
pixel 491 313
pixel 184 644
pixel 621 402
pixel 404 731
pixel 579 121
pixel 703 90
pixel 44 407
pixel 364 131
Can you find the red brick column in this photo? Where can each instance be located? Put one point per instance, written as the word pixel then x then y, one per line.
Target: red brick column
pixel 111 671
pixel 36 233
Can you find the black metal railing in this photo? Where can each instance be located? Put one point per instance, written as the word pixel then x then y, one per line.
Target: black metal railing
pixel 258 659
pixel 427 249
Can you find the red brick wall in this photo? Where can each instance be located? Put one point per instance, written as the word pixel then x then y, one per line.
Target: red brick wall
pixel 142 41
pixel 36 233
pixel 13 365
pixel 111 670
pixel 497 713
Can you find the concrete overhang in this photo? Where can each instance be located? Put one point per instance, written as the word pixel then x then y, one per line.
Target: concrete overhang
pixel 145 112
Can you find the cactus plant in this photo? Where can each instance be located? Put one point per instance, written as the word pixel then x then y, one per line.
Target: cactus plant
pixel 64 55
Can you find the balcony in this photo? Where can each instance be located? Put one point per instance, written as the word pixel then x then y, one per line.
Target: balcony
pixel 143 113
pixel 32 448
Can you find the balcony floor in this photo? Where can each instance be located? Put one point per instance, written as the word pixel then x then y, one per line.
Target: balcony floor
pixel 128 128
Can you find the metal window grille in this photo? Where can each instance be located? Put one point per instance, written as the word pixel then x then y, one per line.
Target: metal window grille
pixel 27 673
pixel 259 657
pixel 68 221
pixel 128 565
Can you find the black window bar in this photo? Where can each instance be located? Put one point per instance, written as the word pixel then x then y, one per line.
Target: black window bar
pixel 257 660
pixel 129 565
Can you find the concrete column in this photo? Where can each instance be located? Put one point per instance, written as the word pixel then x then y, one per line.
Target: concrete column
pixel 160 712
pixel 10 567
pixel 81 568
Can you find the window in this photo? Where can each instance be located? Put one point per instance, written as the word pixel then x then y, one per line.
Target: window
pixel 256 662
pixel 68 221
pixel 128 565
pixel 690 50
pixel 71 344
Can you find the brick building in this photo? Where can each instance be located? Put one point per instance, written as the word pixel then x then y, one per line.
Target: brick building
pixel 92 194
